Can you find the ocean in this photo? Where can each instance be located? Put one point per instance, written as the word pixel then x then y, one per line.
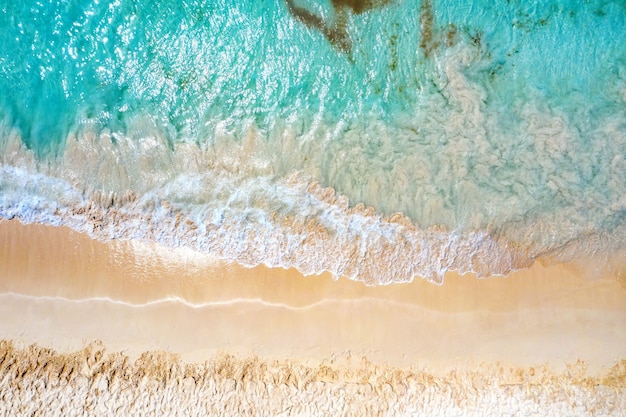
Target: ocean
pixel 376 140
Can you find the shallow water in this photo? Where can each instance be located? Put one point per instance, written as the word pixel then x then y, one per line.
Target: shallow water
pixel 401 140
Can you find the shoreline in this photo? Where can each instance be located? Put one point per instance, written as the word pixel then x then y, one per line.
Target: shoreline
pixel 44 260
pixel 62 275
pixel 93 327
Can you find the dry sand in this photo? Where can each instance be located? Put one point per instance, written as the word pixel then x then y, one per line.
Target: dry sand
pixel 62 290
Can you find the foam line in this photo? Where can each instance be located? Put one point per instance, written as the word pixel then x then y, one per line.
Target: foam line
pixel 215 304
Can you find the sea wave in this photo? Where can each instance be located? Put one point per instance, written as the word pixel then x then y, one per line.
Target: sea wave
pixel 284 223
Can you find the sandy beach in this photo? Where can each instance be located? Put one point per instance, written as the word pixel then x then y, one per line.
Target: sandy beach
pixel 64 291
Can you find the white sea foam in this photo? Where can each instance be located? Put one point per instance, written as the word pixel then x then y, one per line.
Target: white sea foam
pixel 307 229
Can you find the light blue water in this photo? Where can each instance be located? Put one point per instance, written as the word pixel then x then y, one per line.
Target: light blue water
pixel 204 123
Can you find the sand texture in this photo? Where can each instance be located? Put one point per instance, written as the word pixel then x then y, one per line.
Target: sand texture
pixel 182 334
pixel 38 381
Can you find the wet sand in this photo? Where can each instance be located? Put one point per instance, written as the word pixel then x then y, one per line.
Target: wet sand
pixel 62 290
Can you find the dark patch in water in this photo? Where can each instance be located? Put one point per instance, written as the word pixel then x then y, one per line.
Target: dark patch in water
pixel 359 6
pixel 427 22
pixel 431 36
pixel 335 31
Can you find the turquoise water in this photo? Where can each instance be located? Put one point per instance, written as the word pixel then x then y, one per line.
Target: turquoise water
pixel 497 130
